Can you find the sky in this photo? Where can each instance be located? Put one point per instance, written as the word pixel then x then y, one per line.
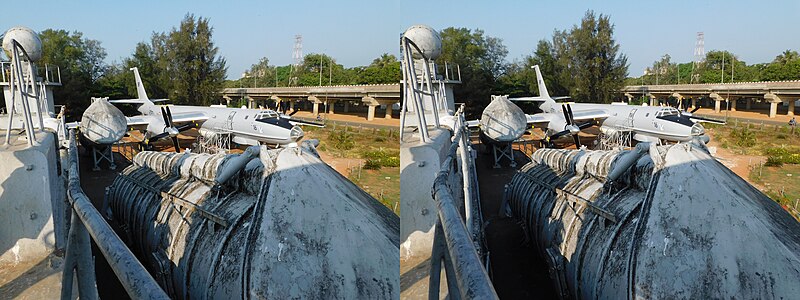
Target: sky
pixel 356 32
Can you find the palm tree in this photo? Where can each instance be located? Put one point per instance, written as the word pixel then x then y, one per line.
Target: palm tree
pixel 786 57
pixel 384 61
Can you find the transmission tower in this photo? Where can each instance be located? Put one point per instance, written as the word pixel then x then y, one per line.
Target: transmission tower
pixel 297 55
pixel 699 55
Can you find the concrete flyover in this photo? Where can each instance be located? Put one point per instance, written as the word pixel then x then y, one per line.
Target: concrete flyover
pixel 370 95
pixel 772 92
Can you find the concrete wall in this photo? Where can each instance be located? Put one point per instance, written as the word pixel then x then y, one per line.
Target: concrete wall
pixel 30 189
pixel 419 164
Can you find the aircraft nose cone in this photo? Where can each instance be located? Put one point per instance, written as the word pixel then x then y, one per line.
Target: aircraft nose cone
pixel 296 133
pixel 573 129
pixel 172 131
pixel 698 129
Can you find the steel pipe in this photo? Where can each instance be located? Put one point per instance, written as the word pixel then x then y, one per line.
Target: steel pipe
pixel 473 281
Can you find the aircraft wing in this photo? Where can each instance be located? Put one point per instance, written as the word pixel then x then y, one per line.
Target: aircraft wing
pixel 706 120
pixel 537 99
pixel 138 120
pixel 135 101
pixel 194 116
pixel 539 120
pixel 590 114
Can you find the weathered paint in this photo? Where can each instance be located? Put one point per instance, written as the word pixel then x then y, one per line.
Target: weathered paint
pixel 686 227
pixel 293 228
pixel 503 121
pixel 102 123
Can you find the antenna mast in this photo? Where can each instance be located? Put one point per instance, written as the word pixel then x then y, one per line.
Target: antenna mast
pixel 297 56
pixel 699 55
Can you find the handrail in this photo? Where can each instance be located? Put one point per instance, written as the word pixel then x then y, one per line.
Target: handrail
pixel 457 242
pixel 131 273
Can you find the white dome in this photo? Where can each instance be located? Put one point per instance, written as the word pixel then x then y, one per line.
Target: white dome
pixel 27 38
pixel 427 39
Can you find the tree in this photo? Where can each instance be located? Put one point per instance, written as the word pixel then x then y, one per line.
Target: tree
pixel 786 57
pixel 481 60
pixel 188 57
pixel 584 63
pixel 786 66
pixel 545 57
pixel 589 59
pixel 81 63
pixel 384 69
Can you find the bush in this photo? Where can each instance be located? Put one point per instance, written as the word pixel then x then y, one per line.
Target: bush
pixel 377 159
pixel 342 140
pixel 744 137
pixel 777 156
pixel 773 162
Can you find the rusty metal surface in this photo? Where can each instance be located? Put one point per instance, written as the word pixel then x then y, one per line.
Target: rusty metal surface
pixel 296 228
pixel 687 227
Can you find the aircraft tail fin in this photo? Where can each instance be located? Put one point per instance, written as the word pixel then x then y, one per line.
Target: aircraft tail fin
pixel 139 85
pixel 147 105
pixel 543 94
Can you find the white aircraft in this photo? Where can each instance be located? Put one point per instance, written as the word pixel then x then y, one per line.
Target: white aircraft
pixel 246 126
pixel 646 123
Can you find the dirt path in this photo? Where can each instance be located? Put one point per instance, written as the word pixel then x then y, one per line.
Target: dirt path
pixel 738 163
pixel 340 164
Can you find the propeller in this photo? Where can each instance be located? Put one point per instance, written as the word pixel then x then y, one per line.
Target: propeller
pixel 572 128
pixel 169 130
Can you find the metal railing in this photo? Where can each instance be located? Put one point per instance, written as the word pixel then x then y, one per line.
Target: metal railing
pixel 51 74
pixel 415 89
pixel 451 73
pixel 86 222
pixel 458 241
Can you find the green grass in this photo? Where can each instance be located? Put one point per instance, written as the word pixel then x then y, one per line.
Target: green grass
pixel 778 185
pixel 380 149
pixel 754 139
pixel 383 184
pixel 778 145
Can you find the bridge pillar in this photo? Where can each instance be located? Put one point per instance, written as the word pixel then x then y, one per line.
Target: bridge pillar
pixel 773 109
pixel 371 112
pixel 717 100
pixel 653 100
pixel 347 106
pixel 388 111
pixel 315 101
pixel 291 105
pixel 773 103
pixel 250 102
pixel 629 96
pixel 330 104
pixel 733 101
pixel 694 102
pixel 679 98
pixel 748 102
pixel 791 108
pixel 372 104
